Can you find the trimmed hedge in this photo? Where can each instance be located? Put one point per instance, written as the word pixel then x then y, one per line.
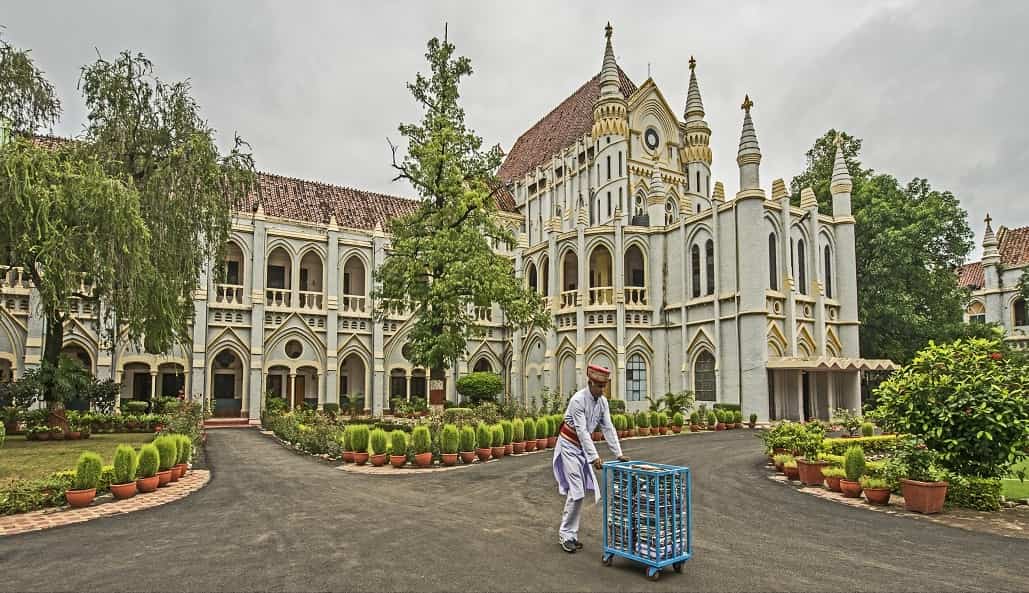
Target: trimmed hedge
pixel 454 415
pixel 969 492
pixel 732 407
pixel 870 445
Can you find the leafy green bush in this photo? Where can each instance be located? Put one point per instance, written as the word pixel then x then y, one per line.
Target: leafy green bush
pixel 125 461
pixel 871 445
pixel 497 435
pixel 542 428
pixel 344 439
pixel 833 472
pixel 378 441
pixel 808 441
pixel 967 401
pixel 695 418
pixel 782 458
pixel 791 463
pixel 421 439
pixel 168 451
pixel 517 430
pixel 630 421
pixel 712 418
pixel 553 423
pixel 22 496
pixel 330 408
pixel 662 419
pixel 737 417
pixel 643 419
pixel 848 419
pixel 185 448
pixel 530 429
pixel 449 439
pixel 484 436
pixel 275 405
pixel 477 387
pixel 359 437
pixel 854 463
pixel 753 418
pixel 398 443
pixel 135 407
pixel 619 422
pixel 456 415
pixel 970 492
pixel 867 429
pixel 617 406
pixel 868 482
pixel 149 461
pixel 731 407
pixel 508 431
pixel 87 471
pixel 468 438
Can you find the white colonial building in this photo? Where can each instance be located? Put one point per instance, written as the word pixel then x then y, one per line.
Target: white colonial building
pixel 994 283
pixel 647 266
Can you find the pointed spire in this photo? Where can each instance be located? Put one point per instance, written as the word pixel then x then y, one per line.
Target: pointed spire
pixel 778 190
pixel 694 106
pixel 609 80
pixel 808 199
pixel 749 156
pixel 990 253
pixel 841 183
pixel 719 193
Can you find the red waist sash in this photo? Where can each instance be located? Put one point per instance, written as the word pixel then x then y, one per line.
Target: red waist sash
pixel 569 433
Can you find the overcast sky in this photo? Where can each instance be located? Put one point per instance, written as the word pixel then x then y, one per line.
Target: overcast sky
pixel 936 89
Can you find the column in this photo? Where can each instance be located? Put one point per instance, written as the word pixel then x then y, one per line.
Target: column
pixel 292 388
pixel 800 396
pixel 153 386
pixel 618 286
pixel 374 399
pixel 581 299
pixel 258 269
pixel 332 290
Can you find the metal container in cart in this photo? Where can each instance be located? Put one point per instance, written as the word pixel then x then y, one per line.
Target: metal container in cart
pixel 648 514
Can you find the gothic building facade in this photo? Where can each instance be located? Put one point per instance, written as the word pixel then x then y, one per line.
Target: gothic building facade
pixel 647 265
pixel 993 282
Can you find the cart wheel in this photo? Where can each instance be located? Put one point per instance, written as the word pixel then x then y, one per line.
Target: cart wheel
pixel 677 566
pixel 653 573
pixel 606 560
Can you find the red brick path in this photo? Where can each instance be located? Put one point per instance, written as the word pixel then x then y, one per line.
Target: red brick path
pixel 104 506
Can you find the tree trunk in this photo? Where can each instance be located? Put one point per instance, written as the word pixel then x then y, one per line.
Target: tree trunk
pixel 52 343
pixel 437 376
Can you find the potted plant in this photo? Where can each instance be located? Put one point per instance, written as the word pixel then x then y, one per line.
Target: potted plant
pixel 530 434
pixel 168 453
pixel 123 484
pixel 922 492
pixel 484 441
pixel 467 445
pixel 832 476
pixel 630 425
pixel 867 429
pixel 146 469
pixel 781 459
pixel 497 441
pixel 876 490
pixel 359 440
pixel 677 421
pixel 643 422
pixel 87 478
pixel 518 435
pixel 449 440
pixel 809 443
pixel 753 420
pixel 854 468
pixel 553 425
pixel 737 419
pixel 542 433
pixel 348 447
pixel 712 421
pixel 378 442
pixel 56 433
pixel 661 421
pixel 185 452
pixel 398 448
pixel 421 442
pixel 508 436
pixel 694 421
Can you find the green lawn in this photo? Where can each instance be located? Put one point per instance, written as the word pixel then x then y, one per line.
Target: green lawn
pixel 1015 488
pixel 21 459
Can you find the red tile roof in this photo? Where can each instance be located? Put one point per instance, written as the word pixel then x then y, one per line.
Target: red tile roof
pixel 568 122
pixel 1013 245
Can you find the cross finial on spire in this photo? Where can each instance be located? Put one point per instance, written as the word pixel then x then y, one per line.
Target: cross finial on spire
pixel 988 220
pixel 693 63
pixel 608 30
pixel 838 140
pixel 747 103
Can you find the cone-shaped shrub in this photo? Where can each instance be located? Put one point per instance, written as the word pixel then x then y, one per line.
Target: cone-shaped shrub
pixel 87 471
pixel 517 430
pixel 508 429
pixel 662 419
pixel 553 423
pixel 449 439
pixel 467 438
pixel 630 421
pixel 643 419
pixel 168 452
pixel 712 418
pixel 125 461
pixel 737 417
pixel 421 439
pixel 149 461
pixel 497 435
pixel 854 463
pixel 542 428
pixel 378 441
pixel 867 429
pixel 694 418
pixel 345 440
pixel 398 442
pixel 185 448
pixel 677 419
pixel 483 436
pixel 530 429
pixel 359 437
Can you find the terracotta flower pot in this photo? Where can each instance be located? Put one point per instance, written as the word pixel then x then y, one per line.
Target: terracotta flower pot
pixel 449 459
pixel 360 458
pixel 519 447
pixel 597 435
pixel 694 428
pixel 80 498
pixel 850 489
pixel 164 478
pixel 467 456
pixel 484 453
pixel 379 460
pixel 42 436
pixel 720 426
pixel 923 497
pixel 497 452
pixel 676 429
pixel 879 496
pixel 541 444
pixel 348 457
pixel 792 473
pixel 173 474
pixel 530 446
pixel 123 491
pixel 833 484
pixel 398 461
pixel 183 468
pixel 751 424
pixel 423 459
pixel 644 432
pixel 551 442
pixel 634 432
pixel 148 484
pixel 509 449
pixel 811 471
pixel 74 435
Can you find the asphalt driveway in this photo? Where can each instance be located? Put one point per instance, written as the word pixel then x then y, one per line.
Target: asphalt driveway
pixel 272 520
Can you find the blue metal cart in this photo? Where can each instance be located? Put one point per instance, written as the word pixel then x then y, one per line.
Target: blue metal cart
pixel 648 514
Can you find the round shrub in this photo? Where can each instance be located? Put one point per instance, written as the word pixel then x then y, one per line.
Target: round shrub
pixel 833 472
pixel 694 418
pixel 168 452
pixel 517 430
pixel 854 463
pixel 662 420
pixel 508 431
pixel 186 450
pixel 378 441
pixel 630 421
pixel 967 401
pixel 458 414
pixel 135 407
pixel 87 471
pixel 737 417
pixel 867 429
pixel 483 436
pixel 421 439
pixel 149 461
pixel 542 428
pixel 345 440
pixel 712 418
pixel 360 437
pixel 552 425
pixel 497 435
pixel 482 386
pixel 467 439
pixel 398 442
pixel 125 461
pixel 530 429
pixel 677 419
pixel 449 439
pixel 643 419
pixel 753 418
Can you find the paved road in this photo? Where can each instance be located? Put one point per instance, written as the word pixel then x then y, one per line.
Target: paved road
pixel 272 520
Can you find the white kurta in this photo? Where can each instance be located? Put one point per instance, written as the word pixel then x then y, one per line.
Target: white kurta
pixel 572 465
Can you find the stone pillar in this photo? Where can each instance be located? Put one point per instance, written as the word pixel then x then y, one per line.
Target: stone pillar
pixel 373 400
pixel 618 285
pixel 292 388
pixel 581 298
pixel 800 396
pixel 258 269
pixel 199 347
pixel 332 290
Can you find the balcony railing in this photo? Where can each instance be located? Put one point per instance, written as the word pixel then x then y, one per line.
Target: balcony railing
pixel 310 300
pixel 228 294
pixel 602 296
pixel 635 296
pixel 14 277
pixel 568 299
pixel 484 313
pixel 547 303
pixel 278 297
pixel 353 303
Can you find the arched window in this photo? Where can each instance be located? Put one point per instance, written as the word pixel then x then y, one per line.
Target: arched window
pixel 976 313
pixel 801 267
pixel 698 182
pixel 669 212
pixel 636 378
pixel 773 268
pixel 1019 312
pixel 637 206
pixel 709 256
pixel 695 264
pixel 483 366
pixel 828 272
pixel 704 377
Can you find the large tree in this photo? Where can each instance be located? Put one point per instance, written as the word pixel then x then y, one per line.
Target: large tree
pixel 441 264
pixel 909 241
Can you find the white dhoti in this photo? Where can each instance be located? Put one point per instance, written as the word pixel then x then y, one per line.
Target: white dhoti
pixel 574 477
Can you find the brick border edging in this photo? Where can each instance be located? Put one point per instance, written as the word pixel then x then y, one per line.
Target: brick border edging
pixel 104 506
pixel 966 519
